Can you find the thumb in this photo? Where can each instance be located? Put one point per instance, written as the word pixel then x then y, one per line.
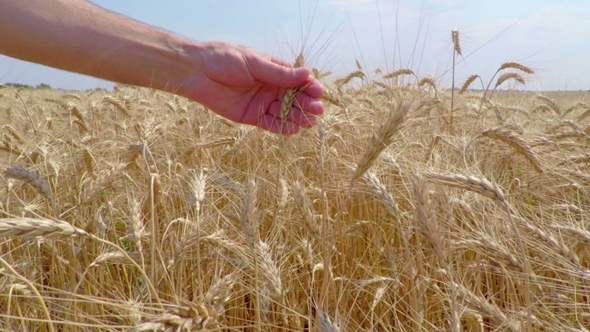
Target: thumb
pixel 276 74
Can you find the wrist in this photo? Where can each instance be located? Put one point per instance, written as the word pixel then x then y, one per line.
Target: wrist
pixel 185 68
pixel 164 62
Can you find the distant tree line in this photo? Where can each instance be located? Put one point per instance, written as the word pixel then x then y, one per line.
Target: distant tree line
pixel 26 86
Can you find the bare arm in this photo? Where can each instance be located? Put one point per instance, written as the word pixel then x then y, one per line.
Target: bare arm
pixel 81 37
pixel 232 80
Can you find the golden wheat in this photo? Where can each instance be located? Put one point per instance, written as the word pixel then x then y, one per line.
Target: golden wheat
pixel 250 233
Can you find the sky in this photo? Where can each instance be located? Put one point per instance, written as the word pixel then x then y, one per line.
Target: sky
pixel 552 37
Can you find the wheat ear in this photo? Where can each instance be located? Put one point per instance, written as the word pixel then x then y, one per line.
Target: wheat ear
pixel 220 291
pixel 271 272
pixel 14 134
pixel 382 139
pixel 304 206
pixel 471 183
pixel 516 65
pixel 399 72
pixel 456 41
pixel 468 82
pixel 550 102
pixel 102 181
pixel 118 105
pixel 507 76
pixel 428 80
pixel 135 229
pixel 345 80
pixel 332 98
pixel 45 228
pixel 517 143
pixel 29 177
pixel 487 309
pixel 198 185
pixel 381 192
pixel 290 94
pixel 324 324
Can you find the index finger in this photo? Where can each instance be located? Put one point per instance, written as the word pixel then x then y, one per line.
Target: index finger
pixel 280 61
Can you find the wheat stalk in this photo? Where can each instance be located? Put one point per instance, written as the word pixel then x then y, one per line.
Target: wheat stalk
pixel 430 230
pixel 584 115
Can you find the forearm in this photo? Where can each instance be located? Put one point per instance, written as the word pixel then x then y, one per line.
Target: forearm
pixel 78 36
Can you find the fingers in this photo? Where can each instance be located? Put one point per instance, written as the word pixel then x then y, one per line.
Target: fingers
pixel 313 88
pixel 304 102
pixel 304 110
pixel 278 72
pixel 274 125
pixel 297 116
pixel 307 104
pixel 280 62
pixel 313 106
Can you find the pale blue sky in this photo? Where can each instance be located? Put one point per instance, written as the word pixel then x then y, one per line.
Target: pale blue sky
pixel 553 37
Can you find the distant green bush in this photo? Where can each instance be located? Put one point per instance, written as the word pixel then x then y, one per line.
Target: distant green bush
pixel 43 86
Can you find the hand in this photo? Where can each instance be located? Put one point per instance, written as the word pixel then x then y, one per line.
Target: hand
pixel 247 87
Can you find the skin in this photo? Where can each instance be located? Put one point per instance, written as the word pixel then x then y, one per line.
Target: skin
pixel 232 80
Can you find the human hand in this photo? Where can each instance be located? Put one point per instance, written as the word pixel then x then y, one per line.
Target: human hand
pixel 247 87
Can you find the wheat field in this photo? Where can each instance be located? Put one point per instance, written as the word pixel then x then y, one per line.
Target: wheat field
pixel 137 210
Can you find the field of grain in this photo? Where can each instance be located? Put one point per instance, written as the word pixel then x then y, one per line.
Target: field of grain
pixel 136 210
